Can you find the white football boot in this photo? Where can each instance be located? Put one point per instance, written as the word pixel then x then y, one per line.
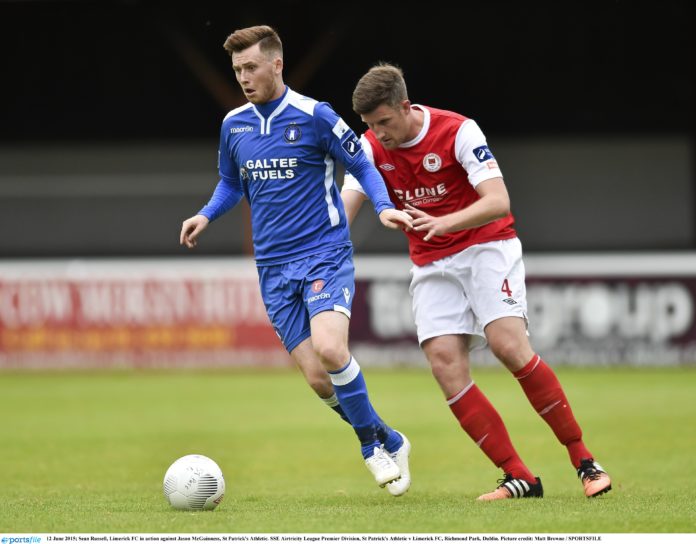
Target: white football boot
pixel 400 486
pixel 382 467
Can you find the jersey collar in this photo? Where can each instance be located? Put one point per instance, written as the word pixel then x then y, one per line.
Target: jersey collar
pixel 266 112
pixel 424 129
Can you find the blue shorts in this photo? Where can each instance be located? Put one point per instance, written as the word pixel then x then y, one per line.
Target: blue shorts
pixel 295 292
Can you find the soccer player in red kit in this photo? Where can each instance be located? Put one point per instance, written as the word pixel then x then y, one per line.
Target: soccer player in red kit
pixel 468 279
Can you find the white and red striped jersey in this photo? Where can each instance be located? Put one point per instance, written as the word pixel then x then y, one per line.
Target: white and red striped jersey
pixel 437 172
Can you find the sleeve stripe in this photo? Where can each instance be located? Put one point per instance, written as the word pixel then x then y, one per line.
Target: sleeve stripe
pixel 328 184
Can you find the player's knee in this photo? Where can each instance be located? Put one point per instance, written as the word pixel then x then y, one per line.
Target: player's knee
pixel 441 357
pixel 509 350
pixel 445 374
pixel 332 354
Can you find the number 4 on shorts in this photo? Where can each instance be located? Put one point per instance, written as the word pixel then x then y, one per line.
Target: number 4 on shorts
pixel 506 288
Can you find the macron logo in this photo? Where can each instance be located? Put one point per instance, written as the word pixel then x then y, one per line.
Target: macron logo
pixel 320 296
pixel 237 130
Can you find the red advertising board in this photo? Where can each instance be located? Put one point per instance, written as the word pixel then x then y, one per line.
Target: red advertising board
pixel 135 319
pixel 209 313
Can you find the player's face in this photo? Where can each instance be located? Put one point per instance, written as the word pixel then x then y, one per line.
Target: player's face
pixel 258 75
pixel 390 125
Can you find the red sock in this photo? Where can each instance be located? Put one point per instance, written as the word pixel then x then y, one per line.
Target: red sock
pixel 483 424
pixel 544 391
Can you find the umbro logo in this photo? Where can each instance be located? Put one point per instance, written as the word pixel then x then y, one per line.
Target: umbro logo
pixel 388 167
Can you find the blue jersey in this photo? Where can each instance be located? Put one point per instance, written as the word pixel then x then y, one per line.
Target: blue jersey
pixel 282 157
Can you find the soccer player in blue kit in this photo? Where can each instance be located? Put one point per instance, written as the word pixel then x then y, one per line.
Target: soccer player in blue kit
pixel 279 151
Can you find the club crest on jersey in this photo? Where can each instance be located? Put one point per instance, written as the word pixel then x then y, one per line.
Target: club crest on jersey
pixel 432 162
pixel 292 133
pixel 483 154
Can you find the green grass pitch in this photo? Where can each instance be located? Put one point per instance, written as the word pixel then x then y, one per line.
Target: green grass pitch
pixel 86 452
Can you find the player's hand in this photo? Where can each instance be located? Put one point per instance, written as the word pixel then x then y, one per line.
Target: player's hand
pixel 422 222
pixel 191 230
pixel 396 219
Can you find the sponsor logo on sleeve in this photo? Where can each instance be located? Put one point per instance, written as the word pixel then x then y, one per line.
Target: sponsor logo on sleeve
pixel 340 128
pixel 351 145
pixel 317 286
pixel 483 154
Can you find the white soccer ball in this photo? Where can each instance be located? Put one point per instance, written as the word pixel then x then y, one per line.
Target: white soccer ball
pixel 194 482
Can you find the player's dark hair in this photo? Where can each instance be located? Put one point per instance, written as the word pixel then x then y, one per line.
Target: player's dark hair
pixel 267 38
pixel 382 84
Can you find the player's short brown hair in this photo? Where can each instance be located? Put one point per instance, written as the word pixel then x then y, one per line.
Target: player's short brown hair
pixel 382 84
pixel 267 38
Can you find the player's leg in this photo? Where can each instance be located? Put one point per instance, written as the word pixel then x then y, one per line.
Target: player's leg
pixel 329 288
pixel 284 292
pixel 508 340
pixel 316 376
pixel 444 321
pixel 500 303
pixel 330 340
pixel 449 361
pixel 282 295
pixel 319 380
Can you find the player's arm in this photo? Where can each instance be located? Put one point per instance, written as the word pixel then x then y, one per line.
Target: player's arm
pixel 493 204
pixel 352 193
pixel 483 174
pixel 343 145
pixel 373 184
pixel 227 194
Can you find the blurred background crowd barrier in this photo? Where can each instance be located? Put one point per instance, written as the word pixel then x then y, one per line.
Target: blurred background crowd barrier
pixel 584 310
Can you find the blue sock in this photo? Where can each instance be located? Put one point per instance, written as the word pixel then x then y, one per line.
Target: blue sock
pixel 386 435
pixel 351 391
